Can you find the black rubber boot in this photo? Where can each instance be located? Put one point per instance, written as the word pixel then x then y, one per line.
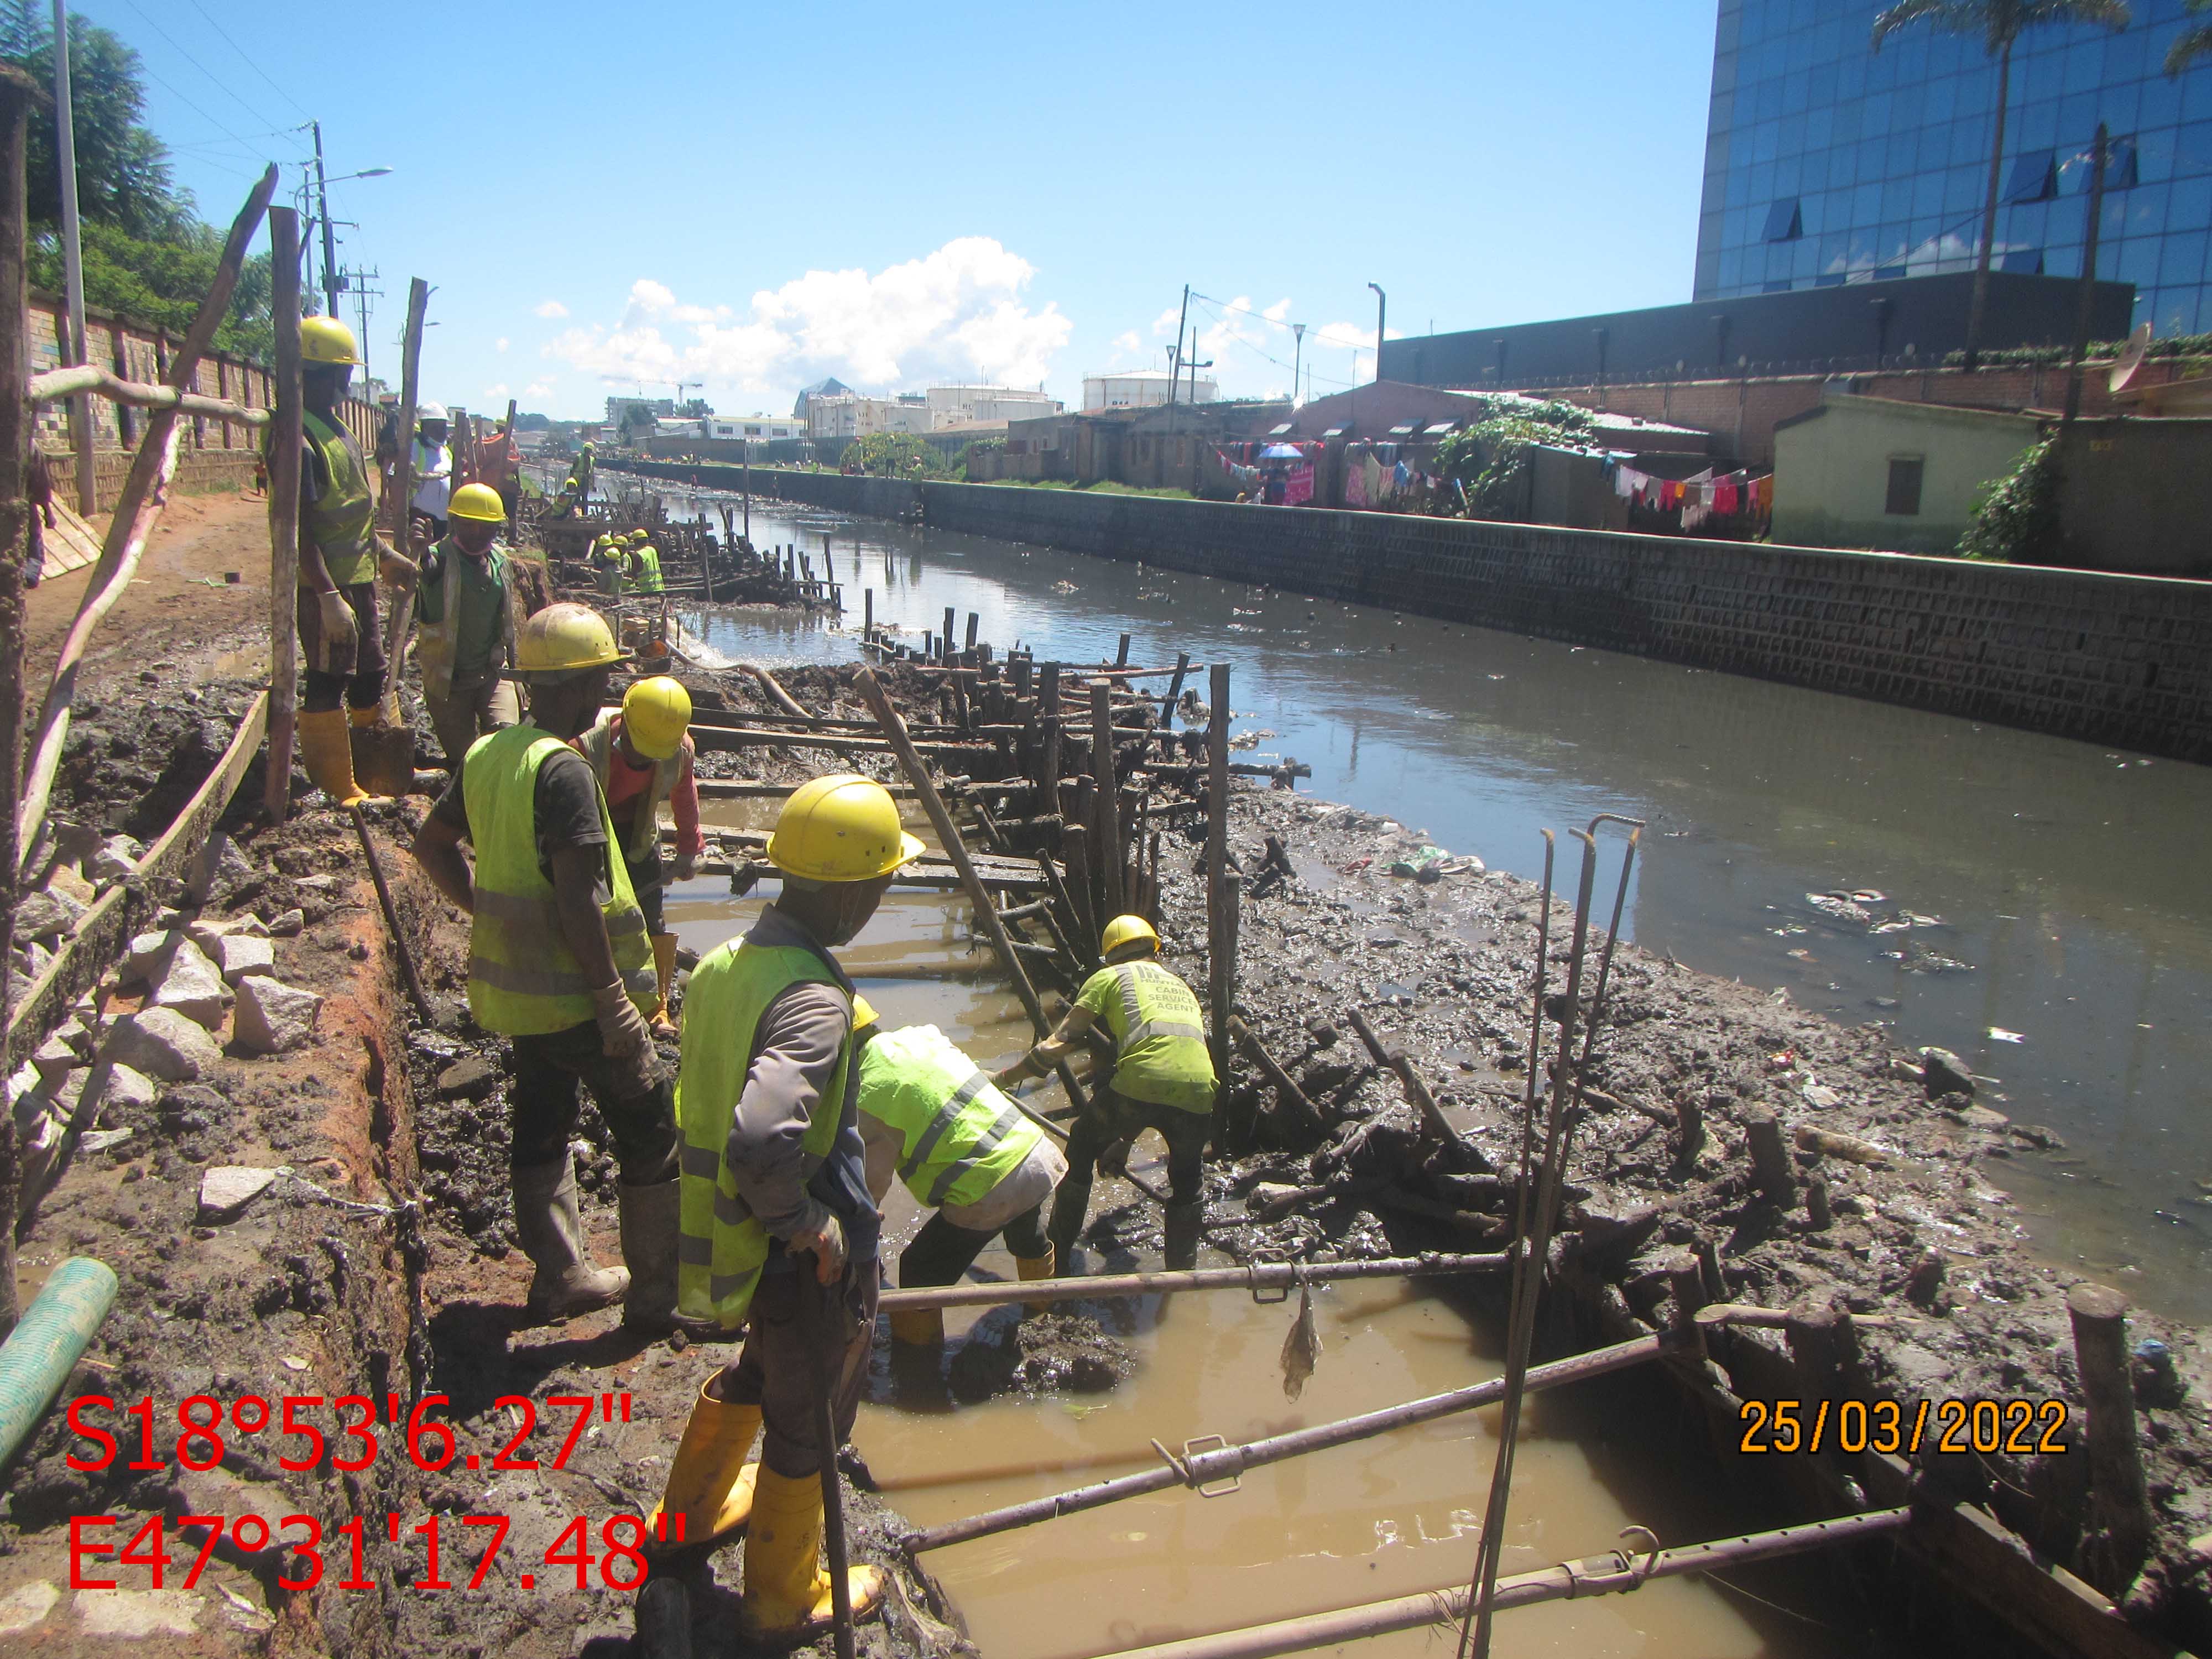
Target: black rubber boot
pixel 1185 1222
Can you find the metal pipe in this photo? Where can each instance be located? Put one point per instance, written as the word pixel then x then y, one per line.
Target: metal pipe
pixel 1611 1574
pixel 40 1352
pixel 415 993
pixel 1259 1276
pixel 810 1295
pixel 1200 1469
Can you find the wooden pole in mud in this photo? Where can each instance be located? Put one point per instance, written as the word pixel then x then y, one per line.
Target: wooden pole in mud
pixel 979 897
pixel 1220 929
pixel 2119 1502
pixel 16 92
pixel 1049 720
pixel 1109 802
pixel 284 434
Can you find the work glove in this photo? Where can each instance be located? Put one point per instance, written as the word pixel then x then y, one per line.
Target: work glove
pixel 339 631
pixel 627 1040
pixel 685 867
pixel 824 1235
pixel 1014 1076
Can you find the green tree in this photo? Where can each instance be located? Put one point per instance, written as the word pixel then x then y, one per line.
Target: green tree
pixel 2193 42
pixel 897 455
pixel 1999 24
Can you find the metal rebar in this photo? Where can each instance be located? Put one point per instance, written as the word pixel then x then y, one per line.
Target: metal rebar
pixel 1200 1469
pixel 1259 1276
pixel 407 971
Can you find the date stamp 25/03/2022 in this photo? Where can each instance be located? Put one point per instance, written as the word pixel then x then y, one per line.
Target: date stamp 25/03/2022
pixel 2015 1426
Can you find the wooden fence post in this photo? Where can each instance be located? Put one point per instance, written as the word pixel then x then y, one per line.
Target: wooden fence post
pixel 284 438
pixel 1108 799
pixel 1220 925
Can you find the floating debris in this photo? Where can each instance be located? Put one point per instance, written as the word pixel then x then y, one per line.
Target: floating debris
pixel 1301 1348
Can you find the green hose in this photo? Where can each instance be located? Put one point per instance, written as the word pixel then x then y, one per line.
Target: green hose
pixel 42 1350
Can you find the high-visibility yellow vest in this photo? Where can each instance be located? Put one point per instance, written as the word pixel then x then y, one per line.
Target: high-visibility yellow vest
pixel 524 980
pixel 720 1248
pixel 338 521
pixel 597 745
pixel 1159 1042
pixel 645 569
pixel 435 642
pixel 959 1137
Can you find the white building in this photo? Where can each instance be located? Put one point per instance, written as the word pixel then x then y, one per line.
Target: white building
pixel 1141 388
pixel 851 415
pixel 759 428
pixel 971 405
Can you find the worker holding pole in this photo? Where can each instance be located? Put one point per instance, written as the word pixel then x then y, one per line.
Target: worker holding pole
pixel 778 1233
pixel 1163 1080
pixel 339 557
pixel 470 609
pixel 930 1115
pixel 643 757
pixel 559 964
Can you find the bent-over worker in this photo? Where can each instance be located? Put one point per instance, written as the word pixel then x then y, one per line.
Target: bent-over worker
pixel 644 565
pixel 1163 1080
pixel 641 757
pixel 558 964
pixel 929 1116
pixel 469 608
pixel 776 1205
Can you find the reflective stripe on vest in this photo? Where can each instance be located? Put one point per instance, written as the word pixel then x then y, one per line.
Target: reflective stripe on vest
pixel 597 745
pixel 1160 1052
pixel 645 569
pixel 959 1136
pixel 524 980
pixel 720 1248
pixel 338 521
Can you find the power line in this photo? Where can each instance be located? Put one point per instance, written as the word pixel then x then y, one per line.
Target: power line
pixel 1234 339
pixel 196 109
pixel 250 62
pixel 220 85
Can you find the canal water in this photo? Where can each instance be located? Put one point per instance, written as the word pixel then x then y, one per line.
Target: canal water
pixel 2039 907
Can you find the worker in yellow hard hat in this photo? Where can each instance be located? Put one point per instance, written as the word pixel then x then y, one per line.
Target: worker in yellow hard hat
pixel 468 610
pixel 610 560
pixel 340 554
pixel 1162 1078
pixel 775 1202
pixel 579 475
pixel 642 757
pixel 963 1149
pixel 559 964
pixel 644 565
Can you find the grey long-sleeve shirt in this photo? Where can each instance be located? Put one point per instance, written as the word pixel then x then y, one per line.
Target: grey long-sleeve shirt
pixel 795 1046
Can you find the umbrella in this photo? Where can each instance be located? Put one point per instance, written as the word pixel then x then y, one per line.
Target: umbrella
pixel 1282 453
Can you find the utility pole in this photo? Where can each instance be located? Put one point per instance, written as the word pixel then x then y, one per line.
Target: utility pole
pixel 1382 306
pixel 329 242
pixel 356 283
pixel 1182 317
pixel 2081 315
pixel 1298 353
pixel 72 330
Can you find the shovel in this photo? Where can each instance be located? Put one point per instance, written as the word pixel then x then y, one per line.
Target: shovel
pixel 383 754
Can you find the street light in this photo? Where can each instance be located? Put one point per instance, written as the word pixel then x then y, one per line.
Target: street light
pixel 323 204
pixel 1297 351
pixel 1381 305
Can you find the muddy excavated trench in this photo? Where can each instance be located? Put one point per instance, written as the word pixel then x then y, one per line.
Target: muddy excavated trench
pixel 374 1270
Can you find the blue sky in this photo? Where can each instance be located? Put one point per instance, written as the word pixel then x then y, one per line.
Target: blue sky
pixel 607 197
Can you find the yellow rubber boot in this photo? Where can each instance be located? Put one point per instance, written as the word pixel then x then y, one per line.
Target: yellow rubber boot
pixel 664 963
pixel 787 1593
pixel 326 748
pixel 919 1328
pixel 1027 1268
pixel 710 1485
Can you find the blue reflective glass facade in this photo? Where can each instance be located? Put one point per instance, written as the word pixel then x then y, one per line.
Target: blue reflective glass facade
pixel 1827 162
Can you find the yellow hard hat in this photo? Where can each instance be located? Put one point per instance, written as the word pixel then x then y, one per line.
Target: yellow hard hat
pixel 864 1013
pixel 327 340
pixel 840 828
pixel 1126 931
pixel 635 536
pixel 655 713
pixel 480 503
pixel 565 639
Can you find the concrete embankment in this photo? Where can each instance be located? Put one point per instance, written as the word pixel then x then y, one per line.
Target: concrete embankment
pixel 2123 660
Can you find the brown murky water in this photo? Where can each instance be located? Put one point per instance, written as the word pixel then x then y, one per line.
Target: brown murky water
pixel 1388 1517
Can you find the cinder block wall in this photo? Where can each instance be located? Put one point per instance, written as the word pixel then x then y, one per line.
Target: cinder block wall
pixel 2124 660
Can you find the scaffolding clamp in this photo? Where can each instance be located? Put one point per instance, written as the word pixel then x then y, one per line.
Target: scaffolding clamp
pixel 1189 1476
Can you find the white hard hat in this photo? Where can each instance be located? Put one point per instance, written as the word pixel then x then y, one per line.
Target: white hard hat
pixel 431 412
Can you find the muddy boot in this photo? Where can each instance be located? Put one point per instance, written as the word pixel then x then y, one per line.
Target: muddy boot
pixel 551 1232
pixel 326 751
pixel 1069 1204
pixel 1185 1222
pixel 1027 1268
pixel 919 1328
pixel 710 1485
pixel 787 1593
pixel 648 1218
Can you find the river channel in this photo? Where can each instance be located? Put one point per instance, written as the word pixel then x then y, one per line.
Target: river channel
pixel 2042 905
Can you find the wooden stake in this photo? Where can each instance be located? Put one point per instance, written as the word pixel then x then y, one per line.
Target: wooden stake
pixel 16 92
pixel 1106 797
pixel 1174 689
pixel 1770 1158
pixel 2117 1500
pixel 1048 721
pixel 284 438
pixel 1221 927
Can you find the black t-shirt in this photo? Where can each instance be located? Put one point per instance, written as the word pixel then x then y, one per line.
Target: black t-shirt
pixel 566 803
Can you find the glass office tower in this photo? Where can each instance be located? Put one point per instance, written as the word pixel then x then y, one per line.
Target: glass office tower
pixel 1827 162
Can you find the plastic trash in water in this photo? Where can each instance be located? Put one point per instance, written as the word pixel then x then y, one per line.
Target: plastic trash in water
pixel 1301 1348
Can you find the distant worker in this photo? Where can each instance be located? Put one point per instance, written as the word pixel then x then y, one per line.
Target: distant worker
pixel 644 566
pixel 580 474
pixel 643 756
pixel 499 464
pixel 339 558
pixel 774 1170
pixel 1163 1080
pixel 433 470
pixel 470 608
pixel 610 560
pixel 559 964
pixel 929 1116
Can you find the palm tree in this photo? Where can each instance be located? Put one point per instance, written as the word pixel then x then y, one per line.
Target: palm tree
pixel 2192 43
pixel 2000 24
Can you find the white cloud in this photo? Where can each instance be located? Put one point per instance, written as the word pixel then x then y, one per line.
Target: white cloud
pixel 538 390
pixel 500 344
pixel 551 309
pixel 954 313
pixel 496 392
pixel 1127 341
pixel 1164 324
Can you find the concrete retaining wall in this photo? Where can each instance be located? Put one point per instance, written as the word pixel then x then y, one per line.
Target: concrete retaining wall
pixel 2124 660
